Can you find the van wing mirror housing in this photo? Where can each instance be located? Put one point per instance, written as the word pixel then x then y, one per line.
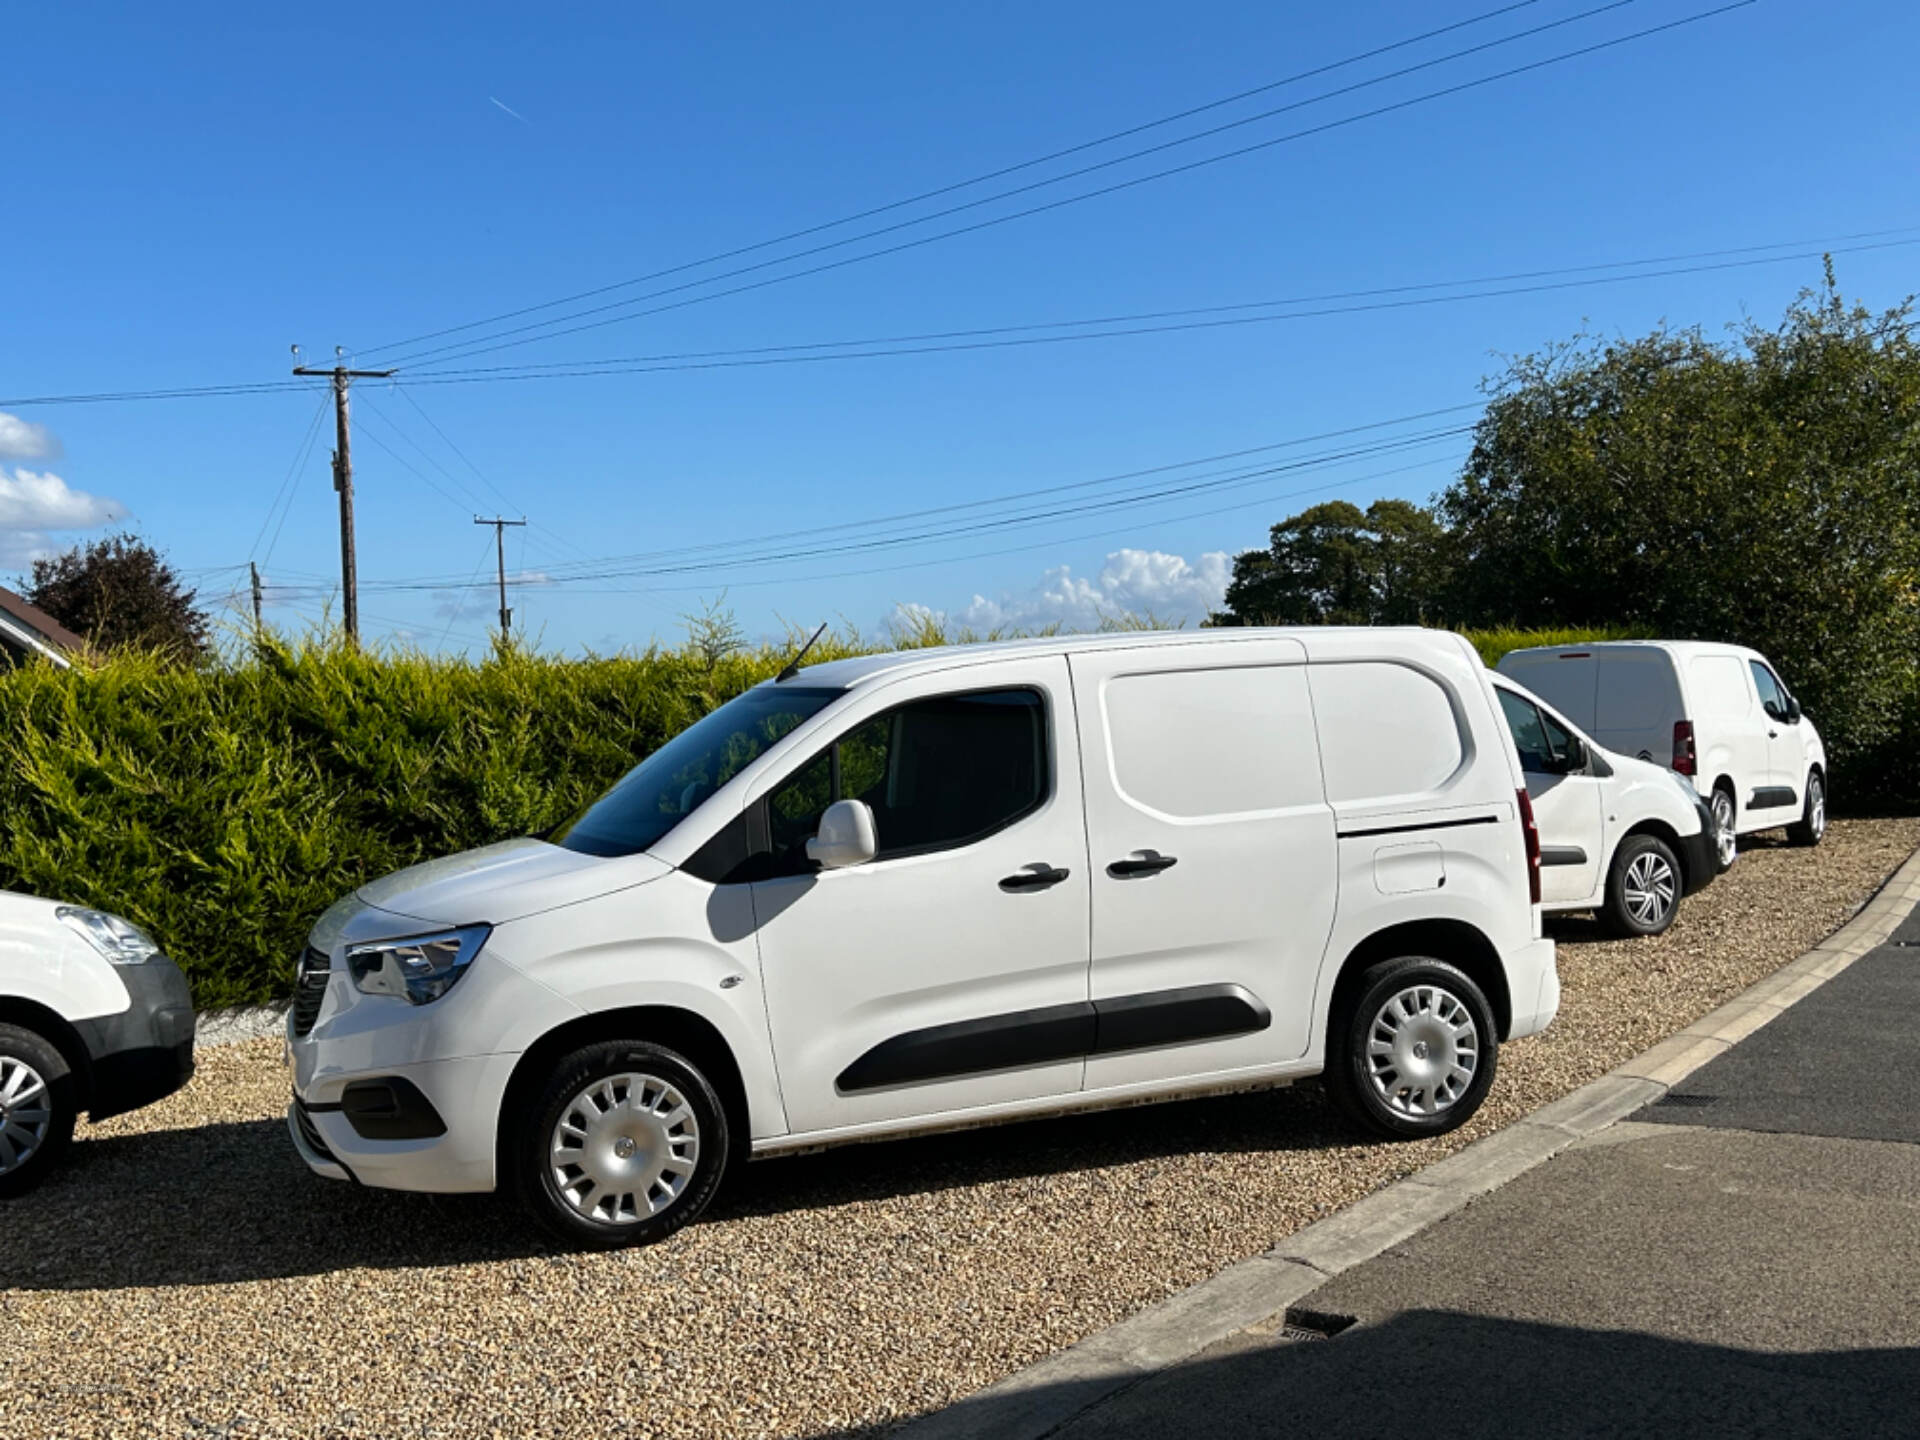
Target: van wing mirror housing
pixel 846 836
pixel 1793 710
pixel 1575 757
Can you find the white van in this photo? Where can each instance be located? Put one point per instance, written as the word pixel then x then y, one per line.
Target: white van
pixel 1718 714
pixel 931 889
pixel 92 1017
pixel 1622 837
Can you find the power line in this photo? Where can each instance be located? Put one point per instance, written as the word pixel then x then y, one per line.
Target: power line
pixel 479 345
pixel 299 458
pixel 819 352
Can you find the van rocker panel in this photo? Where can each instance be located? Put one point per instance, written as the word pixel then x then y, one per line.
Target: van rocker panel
pixel 1058 1032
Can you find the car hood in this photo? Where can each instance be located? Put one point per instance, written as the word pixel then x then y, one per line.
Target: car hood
pixel 503 882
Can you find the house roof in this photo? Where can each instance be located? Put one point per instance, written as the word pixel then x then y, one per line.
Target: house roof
pixel 33 628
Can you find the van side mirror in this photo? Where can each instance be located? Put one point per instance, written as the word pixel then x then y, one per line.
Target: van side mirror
pixel 1574 757
pixel 1793 710
pixel 846 836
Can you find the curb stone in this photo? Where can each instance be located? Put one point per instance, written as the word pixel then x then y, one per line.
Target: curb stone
pixel 1034 1402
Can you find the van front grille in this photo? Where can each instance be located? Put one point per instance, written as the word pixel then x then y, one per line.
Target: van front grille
pixel 309 988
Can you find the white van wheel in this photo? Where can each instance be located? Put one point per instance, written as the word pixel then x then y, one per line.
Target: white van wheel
pixel 36 1109
pixel 1726 844
pixel 1413 1053
pixel 625 1144
pixel 1813 815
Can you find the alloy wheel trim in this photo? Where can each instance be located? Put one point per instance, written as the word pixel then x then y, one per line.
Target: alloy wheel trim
pixel 1725 843
pixel 624 1148
pixel 1649 888
pixel 1422 1051
pixel 26 1112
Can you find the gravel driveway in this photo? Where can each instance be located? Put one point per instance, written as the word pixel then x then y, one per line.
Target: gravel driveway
pixel 186 1276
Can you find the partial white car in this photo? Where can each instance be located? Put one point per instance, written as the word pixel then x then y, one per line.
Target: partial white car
pixel 1718 714
pixel 1621 837
pixel 917 891
pixel 93 1018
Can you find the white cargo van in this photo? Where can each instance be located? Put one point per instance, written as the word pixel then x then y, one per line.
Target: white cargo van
pixel 1625 838
pixel 1718 714
pixel 915 891
pixel 92 1018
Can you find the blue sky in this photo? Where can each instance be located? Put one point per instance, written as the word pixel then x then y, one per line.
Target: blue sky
pixel 195 189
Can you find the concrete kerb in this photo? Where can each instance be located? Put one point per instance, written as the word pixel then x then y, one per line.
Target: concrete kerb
pixel 1041 1398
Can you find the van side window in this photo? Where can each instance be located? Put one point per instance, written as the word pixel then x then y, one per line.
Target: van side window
pixel 1773 698
pixel 937 774
pixel 1529 733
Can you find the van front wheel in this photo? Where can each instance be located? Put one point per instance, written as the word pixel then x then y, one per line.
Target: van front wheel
pixel 625 1143
pixel 1813 814
pixel 1412 1051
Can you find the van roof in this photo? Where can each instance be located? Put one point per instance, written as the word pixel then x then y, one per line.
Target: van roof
pixel 864 669
pixel 1672 647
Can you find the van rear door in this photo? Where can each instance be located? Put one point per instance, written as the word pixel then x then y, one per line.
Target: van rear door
pixel 1562 678
pixel 1636 703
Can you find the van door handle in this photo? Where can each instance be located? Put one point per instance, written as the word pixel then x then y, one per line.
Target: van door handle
pixel 1141 862
pixel 1035 877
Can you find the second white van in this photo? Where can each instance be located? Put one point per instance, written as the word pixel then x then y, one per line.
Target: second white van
pixel 937 888
pixel 1718 714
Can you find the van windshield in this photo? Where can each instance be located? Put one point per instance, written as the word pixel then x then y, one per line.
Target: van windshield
pixel 670 784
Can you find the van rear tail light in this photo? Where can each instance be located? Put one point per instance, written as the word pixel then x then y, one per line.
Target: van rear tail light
pixel 1532 833
pixel 1684 762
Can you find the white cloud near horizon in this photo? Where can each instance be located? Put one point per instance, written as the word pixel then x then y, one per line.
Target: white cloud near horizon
pixel 24 440
pixel 35 503
pixel 483 596
pixel 1130 582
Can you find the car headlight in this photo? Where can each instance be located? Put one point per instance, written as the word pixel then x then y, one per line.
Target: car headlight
pixel 421 968
pixel 121 941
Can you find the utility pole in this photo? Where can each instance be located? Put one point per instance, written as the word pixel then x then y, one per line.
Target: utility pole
pixel 500 554
pixel 255 569
pixel 343 482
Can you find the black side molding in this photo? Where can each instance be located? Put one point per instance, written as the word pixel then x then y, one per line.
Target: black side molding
pixel 971 1047
pixel 1423 825
pixel 1058 1032
pixel 1562 855
pixel 1770 797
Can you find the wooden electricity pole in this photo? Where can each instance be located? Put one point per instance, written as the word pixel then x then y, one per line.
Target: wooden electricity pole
pixel 500 554
pixel 343 482
pixel 255 570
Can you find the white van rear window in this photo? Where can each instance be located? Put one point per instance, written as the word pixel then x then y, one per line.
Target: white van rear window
pixel 1637 689
pixel 1562 678
pixel 1205 743
pixel 1385 729
pixel 1719 688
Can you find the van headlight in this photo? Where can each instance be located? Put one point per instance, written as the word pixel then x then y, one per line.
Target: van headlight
pixel 121 942
pixel 420 968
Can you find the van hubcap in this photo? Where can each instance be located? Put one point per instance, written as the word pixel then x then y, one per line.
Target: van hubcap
pixel 1817 811
pixel 1422 1051
pixel 26 1112
pixel 624 1148
pixel 1723 840
pixel 1650 888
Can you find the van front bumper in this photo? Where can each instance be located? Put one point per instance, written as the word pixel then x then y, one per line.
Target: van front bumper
pixel 145 1052
pixel 439 1135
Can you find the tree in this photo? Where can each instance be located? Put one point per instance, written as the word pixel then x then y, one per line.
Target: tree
pixel 1334 564
pixel 119 593
pixel 1764 491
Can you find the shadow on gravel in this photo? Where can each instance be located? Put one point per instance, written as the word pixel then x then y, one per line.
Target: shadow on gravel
pixel 1429 1371
pixel 228 1203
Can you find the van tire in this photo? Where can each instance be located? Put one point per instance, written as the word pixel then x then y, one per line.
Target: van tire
pixel 1812 826
pixel 1372 1096
pixel 31 1146
pixel 1643 887
pixel 1726 844
pixel 624 1101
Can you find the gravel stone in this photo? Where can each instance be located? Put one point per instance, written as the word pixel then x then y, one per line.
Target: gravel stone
pixel 185 1275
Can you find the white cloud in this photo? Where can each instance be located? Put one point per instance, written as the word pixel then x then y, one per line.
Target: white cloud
pixel 23 440
pixel 483 596
pixel 1131 582
pixel 31 500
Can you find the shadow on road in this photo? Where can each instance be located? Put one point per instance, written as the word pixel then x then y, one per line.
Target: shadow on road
pixel 231 1202
pixel 1428 1372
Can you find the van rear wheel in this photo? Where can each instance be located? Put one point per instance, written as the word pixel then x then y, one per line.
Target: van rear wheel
pixel 625 1143
pixel 37 1109
pixel 1412 1052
